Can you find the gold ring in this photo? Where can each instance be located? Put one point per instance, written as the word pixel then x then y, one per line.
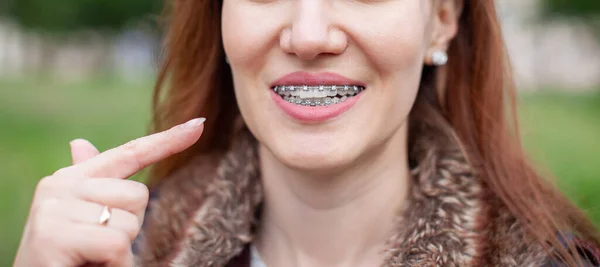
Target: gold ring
pixel 105 216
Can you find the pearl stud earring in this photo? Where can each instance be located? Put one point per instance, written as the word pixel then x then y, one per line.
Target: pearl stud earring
pixel 439 58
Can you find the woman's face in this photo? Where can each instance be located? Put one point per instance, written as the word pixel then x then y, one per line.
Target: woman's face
pixel 321 83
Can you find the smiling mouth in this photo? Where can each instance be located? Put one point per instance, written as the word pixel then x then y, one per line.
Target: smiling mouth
pixel 317 95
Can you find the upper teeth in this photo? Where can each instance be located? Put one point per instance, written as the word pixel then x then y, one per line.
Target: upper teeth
pixel 317 91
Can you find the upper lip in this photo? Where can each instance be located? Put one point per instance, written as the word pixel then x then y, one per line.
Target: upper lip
pixel 321 78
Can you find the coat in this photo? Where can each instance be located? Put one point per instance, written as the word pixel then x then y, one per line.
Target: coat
pixel 205 213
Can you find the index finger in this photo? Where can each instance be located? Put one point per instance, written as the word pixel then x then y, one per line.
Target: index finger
pixel 124 161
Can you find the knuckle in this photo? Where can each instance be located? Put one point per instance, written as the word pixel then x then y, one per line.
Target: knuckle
pixel 47 206
pixel 140 194
pixel 131 148
pixel 131 152
pixel 47 184
pixel 132 226
pixel 62 171
pixel 119 244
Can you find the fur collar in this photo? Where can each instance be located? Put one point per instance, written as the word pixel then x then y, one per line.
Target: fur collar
pixel 205 213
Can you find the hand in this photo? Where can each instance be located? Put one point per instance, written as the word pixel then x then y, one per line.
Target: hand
pixel 63 228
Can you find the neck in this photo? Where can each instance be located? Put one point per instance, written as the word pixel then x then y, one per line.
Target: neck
pixel 341 218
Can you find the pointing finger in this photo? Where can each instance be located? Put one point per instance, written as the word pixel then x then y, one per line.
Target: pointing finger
pixel 126 160
pixel 82 150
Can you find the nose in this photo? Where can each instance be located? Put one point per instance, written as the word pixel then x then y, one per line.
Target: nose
pixel 313 31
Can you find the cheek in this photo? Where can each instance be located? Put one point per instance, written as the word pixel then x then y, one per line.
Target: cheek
pixel 392 37
pixel 248 32
pixel 236 33
pixel 398 57
pixel 395 47
pixel 242 41
pixel 398 47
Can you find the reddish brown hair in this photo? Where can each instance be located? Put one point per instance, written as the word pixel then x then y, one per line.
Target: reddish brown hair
pixel 478 104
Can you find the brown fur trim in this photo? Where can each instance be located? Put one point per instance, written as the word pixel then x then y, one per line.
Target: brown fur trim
pixel 204 216
pixel 511 244
pixel 167 222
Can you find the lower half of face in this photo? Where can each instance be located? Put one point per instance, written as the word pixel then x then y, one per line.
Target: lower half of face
pixel 310 104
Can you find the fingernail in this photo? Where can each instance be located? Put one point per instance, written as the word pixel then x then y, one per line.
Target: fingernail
pixel 78 140
pixel 194 123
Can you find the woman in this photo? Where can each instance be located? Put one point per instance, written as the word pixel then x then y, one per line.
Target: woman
pixel 339 133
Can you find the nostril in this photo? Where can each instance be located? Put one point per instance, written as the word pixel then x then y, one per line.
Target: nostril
pixel 339 41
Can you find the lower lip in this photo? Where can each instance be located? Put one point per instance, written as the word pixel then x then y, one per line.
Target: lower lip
pixel 314 114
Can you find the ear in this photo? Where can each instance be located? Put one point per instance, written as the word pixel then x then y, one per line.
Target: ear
pixel 444 26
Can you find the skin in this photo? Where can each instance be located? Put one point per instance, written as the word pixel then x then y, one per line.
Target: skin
pixel 332 189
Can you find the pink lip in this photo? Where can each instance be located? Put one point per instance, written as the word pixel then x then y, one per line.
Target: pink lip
pixel 309 114
pixel 325 78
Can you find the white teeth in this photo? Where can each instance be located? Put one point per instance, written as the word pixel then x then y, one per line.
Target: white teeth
pixel 332 91
pixel 304 94
pixel 320 91
pixel 309 94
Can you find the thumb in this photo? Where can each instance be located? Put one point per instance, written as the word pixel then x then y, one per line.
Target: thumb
pixel 82 150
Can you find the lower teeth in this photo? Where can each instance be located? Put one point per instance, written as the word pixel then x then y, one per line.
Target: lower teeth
pixel 316 102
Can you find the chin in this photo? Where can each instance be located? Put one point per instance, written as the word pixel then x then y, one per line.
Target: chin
pixel 315 162
pixel 315 156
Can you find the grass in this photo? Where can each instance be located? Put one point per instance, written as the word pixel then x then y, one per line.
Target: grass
pixel 38 118
pixel 562 133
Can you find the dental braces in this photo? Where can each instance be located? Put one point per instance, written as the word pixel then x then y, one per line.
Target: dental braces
pixel 333 88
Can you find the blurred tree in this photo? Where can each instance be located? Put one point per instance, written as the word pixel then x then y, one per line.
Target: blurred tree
pixel 71 15
pixel 589 9
pixel 58 20
pixel 586 11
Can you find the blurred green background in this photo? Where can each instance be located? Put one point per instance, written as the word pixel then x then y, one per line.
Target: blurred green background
pixel 85 69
